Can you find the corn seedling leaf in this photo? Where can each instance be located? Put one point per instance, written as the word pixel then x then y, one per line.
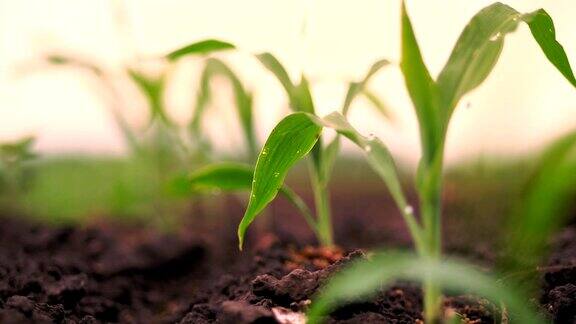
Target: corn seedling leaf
pixel 329 158
pixel 422 90
pixel 289 142
pixel 480 44
pixel 378 103
pixel 544 208
pixel 221 176
pixel 200 48
pixel 153 89
pixel 233 177
pixel 292 139
pixel 302 97
pixel 356 88
pixel 299 95
pixel 274 66
pixel 542 28
pixel 17 151
pixel 243 99
pixel 365 277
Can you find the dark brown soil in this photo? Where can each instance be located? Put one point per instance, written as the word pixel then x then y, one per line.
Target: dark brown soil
pixel 113 273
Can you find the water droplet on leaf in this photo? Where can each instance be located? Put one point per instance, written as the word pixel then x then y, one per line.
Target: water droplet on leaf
pixel 496 36
pixel 367 148
pixel 408 209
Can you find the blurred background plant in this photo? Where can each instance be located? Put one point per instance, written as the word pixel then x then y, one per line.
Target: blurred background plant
pixel 142 184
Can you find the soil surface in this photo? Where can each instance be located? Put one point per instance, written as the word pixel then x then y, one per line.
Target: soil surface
pixel 104 273
pixel 114 273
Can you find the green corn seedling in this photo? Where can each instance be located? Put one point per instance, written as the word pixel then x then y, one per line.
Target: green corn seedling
pixel 322 157
pixel 163 147
pixel 13 155
pixel 218 176
pixel 474 56
pixel 541 212
pixel 243 100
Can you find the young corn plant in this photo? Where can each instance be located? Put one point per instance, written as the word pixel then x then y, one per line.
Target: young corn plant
pixel 13 176
pixel 542 211
pixel 471 61
pixel 162 148
pixel 161 136
pixel 226 176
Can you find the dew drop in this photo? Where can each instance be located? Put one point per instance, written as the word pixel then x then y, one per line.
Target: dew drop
pixel 253 196
pixel 367 148
pixel 408 210
pixel 264 152
pixel 496 36
pixel 276 174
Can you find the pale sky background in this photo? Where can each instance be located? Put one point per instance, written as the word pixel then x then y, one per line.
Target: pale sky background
pixel 522 105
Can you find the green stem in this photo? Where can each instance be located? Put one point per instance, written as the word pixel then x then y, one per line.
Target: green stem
pixel 431 203
pixel 432 292
pixel 322 203
pixel 323 214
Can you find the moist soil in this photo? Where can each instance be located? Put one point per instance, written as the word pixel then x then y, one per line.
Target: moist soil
pixel 115 273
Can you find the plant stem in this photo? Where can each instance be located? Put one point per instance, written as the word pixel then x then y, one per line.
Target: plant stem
pixel 430 191
pixel 432 292
pixel 322 203
pixel 323 213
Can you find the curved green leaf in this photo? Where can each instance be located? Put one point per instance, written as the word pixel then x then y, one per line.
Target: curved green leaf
pixel 232 176
pixel 292 139
pixel 274 66
pixel 200 48
pixel 289 142
pixel 480 44
pixel 476 52
pixel 422 90
pixel 542 28
pixel 243 99
pixel 227 176
pixel 377 103
pixel 382 162
pixel 299 95
pixel 153 89
pixel 365 277
pixel 543 209
pixel 356 88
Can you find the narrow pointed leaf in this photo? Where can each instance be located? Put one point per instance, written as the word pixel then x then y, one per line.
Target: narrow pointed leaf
pixel 272 64
pixel 292 138
pixel 542 28
pixel 222 176
pixel 355 88
pixel 243 100
pixel 422 90
pixel 480 44
pixel 544 209
pixel 232 177
pixel 377 154
pixel 378 103
pixel 288 143
pixel 299 95
pixel 153 89
pixel 365 277
pixel 329 158
pixel 200 48
pixel 302 97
